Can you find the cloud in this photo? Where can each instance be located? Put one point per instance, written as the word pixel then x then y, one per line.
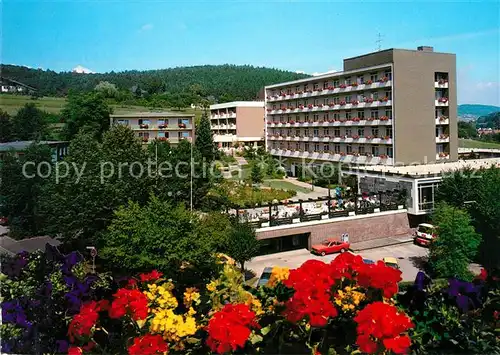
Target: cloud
pixel 146 27
pixel 487 85
pixel 327 72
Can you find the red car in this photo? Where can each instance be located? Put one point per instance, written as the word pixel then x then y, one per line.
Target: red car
pixel 3 221
pixel 330 246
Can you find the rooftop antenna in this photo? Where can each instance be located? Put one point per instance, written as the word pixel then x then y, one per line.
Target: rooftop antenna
pixel 379 42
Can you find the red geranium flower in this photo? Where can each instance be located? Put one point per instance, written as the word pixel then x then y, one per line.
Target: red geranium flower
pixel 380 276
pixel 82 323
pixel 230 328
pixel 483 275
pixel 152 276
pixel 132 302
pixel 148 345
pixel 398 345
pixel 74 350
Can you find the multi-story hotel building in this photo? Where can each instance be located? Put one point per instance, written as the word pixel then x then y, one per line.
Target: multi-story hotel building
pixel 239 123
pixel 390 107
pixel 164 126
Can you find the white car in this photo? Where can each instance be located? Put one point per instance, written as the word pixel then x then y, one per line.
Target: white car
pixel 424 234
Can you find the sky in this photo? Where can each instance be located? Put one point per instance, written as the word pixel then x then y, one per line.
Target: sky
pixel 309 36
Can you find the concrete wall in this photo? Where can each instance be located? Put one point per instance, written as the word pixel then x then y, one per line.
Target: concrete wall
pixel 360 228
pixel 414 104
pixel 250 121
pixel 368 60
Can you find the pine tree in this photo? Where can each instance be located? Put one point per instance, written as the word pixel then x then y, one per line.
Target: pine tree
pixel 204 142
pixel 256 174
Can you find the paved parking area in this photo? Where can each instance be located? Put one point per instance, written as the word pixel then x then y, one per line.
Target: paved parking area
pixel 410 258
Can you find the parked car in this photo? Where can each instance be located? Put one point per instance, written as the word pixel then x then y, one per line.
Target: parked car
pixel 368 261
pixel 330 246
pixel 266 275
pixel 4 221
pixel 424 234
pixel 392 262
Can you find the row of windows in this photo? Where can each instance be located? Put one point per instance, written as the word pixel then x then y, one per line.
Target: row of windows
pixel 337 132
pixel 165 135
pixel 158 122
pixel 337 99
pixel 335 148
pixel 359 79
pixel 348 114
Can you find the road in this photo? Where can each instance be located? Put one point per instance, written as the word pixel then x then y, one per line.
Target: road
pixel 410 258
pixel 3 230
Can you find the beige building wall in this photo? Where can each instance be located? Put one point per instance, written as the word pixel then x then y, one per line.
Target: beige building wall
pixel 414 104
pixel 250 122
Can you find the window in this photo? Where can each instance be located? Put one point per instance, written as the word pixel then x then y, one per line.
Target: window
pixel 316 117
pixel 297 118
pixel 375 132
pixel 183 134
pixel 325 85
pixel 388 94
pixel 388 74
pixel 348 115
pixel 361 149
pixel 389 152
pixel 374 114
pixel 315 86
pixel 348 98
pixel 348 80
pixel 144 135
pixel 316 147
pixel 123 122
pixel 348 132
pixel 373 77
pixel 325 101
pixel 375 150
pixel 336 132
pixel 388 113
pixel 316 102
pixel 325 117
pixel 361 97
pixel 336 83
pixel 315 132
pixel 337 148
pixel 326 132
pixel 142 121
pixel 349 149
pixel 361 79
pixel 288 132
pixel 336 100
pixel 361 114
pixel 297 132
pixel 361 132
pixel 306 118
pixel 183 121
pixel 306 87
pixel 288 91
pixel 336 116
pixel 375 96
pixel 306 147
pixel 297 88
pixel 282 118
pixel 326 147
pixel 282 132
pixel 274 107
pixel 388 131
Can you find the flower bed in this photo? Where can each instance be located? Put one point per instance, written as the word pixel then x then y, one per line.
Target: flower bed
pixel 319 308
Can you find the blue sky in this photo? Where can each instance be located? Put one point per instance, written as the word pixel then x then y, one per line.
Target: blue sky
pixel 293 35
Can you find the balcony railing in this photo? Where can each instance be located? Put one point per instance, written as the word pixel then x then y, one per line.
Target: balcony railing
pixel 442 156
pixel 443 138
pixel 384 102
pixel 331 90
pixel 442 101
pixel 382 121
pixel 442 120
pixel 365 158
pixel 328 138
pixel 441 84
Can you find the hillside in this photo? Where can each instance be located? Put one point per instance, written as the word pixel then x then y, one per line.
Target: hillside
pixel 224 82
pixel 474 111
pixel 491 120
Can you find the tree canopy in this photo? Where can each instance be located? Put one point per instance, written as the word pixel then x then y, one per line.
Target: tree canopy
pixel 30 123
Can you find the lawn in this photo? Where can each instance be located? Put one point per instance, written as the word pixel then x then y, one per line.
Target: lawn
pixel 285 185
pixel 470 143
pixel 12 103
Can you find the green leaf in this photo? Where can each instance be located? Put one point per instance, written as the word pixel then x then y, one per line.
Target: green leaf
pixel 265 330
pixel 255 338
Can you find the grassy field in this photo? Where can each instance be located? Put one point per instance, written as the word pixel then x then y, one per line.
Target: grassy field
pixel 285 185
pixel 470 143
pixel 12 103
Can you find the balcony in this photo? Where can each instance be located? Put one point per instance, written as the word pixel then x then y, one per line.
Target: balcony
pixel 330 107
pixel 443 138
pixel 382 121
pixel 330 139
pixel 337 157
pixel 225 138
pixel 442 120
pixel 441 84
pixel 442 101
pixel 329 91
pixel 442 156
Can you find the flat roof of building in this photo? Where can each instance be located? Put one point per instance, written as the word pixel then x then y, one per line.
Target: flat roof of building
pixel 428 169
pixel 327 75
pixel 399 49
pixel 237 104
pixel 151 114
pixel 22 145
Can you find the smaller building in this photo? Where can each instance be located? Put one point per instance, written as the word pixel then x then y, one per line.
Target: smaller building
pixel 15 87
pixel 59 148
pixel 164 126
pixel 238 124
pixel 419 181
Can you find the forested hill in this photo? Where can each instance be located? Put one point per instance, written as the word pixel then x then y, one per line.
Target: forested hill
pixel 231 82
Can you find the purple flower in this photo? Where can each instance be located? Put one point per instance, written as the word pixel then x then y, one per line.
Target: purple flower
pixel 62 346
pixel 466 294
pixel 421 281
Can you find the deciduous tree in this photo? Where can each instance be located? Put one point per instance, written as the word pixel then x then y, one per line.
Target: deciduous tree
pixel 6 132
pixel 29 123
pixel 242 243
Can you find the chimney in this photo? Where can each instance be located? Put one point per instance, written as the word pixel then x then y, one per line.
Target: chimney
pixel 425 49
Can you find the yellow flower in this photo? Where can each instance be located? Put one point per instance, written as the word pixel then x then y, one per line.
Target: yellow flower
pixel 173 326
pixel 191 295
pixel 278 274
pixel 212 286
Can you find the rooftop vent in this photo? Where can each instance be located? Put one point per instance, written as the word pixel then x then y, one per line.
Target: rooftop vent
pixel 425 49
